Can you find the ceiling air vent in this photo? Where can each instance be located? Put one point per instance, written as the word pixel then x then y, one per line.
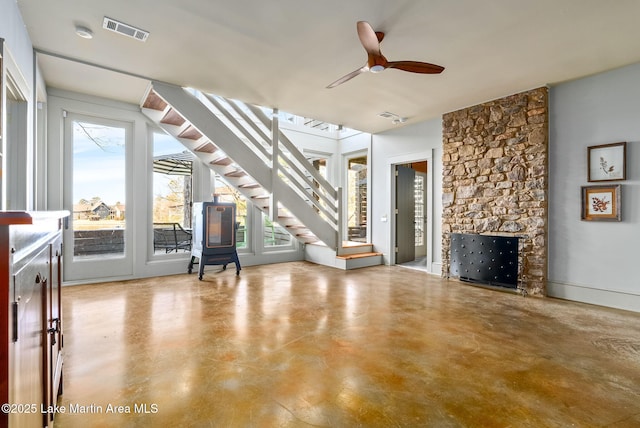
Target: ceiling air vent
pixel 124 29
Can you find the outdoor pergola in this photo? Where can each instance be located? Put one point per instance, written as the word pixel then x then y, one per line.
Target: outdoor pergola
pixel 180 164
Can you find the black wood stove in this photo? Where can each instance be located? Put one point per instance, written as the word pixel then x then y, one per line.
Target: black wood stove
pixel 214 235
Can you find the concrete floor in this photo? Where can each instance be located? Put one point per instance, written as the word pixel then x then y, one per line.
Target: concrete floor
pixel 302 345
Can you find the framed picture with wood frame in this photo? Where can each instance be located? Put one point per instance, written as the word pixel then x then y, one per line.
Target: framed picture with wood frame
pixel 607 162
pixel 601 203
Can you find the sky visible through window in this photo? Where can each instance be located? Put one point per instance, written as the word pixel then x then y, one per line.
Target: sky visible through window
pixel 99 162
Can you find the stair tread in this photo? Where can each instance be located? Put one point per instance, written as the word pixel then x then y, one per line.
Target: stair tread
pixel 190 133
pixel 173 118
pixel 154 102
pixel 354 244
pixel 358 256
pixel 224 161
pixel 206 148
pixel 250 186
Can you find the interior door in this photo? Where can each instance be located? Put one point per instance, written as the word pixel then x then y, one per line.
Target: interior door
pixel 97 185
pixel 405 214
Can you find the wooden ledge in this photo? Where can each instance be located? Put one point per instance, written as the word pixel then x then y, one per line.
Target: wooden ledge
pixel 357 256
pixel 8 218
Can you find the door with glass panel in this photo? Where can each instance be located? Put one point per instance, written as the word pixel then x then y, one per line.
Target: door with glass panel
pixel 96 188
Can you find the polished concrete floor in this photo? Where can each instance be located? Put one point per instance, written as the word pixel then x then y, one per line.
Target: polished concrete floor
pixel 302 345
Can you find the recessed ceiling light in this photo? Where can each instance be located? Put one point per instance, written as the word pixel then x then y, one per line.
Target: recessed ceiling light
pixel 84 32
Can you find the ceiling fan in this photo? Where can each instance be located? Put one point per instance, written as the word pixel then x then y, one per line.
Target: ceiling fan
pixel 376 62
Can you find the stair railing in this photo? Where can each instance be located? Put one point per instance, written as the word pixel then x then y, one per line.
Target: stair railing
pixel 263 136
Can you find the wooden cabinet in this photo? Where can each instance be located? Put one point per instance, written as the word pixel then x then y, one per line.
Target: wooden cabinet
pixel 31 335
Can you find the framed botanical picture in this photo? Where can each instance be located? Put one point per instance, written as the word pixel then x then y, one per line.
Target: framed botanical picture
pixel 601 203
pixel 607 162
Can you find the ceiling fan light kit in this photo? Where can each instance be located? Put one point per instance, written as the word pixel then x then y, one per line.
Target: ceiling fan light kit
pixel 376 62
pixel 395 119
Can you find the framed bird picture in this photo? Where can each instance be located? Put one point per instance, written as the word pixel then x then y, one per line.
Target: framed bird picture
pixel 607 162
pixel 601 203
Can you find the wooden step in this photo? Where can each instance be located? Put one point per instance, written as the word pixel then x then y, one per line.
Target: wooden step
pixel 250 186
pixel 207 148
pixel 235 174
pixel 358 256
pixel 223 161
pixel 154 102
pixel 173 118
pixel 190 133
pixel 306 235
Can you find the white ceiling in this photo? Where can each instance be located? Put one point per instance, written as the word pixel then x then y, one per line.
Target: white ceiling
pixel 284 53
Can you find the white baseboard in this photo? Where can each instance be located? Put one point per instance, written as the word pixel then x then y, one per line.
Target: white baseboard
pixel 594 296
pixel 436 268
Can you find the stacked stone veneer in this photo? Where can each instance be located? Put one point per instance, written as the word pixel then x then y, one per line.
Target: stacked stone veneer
pixel 495 167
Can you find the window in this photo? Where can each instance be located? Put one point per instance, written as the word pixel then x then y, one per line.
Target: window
pixel 420 203
pixel 274 234
pixel 172 195
pixel 357 199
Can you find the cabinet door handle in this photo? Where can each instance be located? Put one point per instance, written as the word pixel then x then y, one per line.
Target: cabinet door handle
pixel 14 320
pixel 53 330
pixel 56 326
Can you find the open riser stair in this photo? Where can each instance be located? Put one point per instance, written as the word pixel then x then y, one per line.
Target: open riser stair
pixel 247 149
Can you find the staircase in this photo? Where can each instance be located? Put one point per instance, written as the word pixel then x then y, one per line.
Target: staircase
pixel 247 148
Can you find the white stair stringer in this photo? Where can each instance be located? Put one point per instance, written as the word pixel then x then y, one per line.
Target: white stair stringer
pixel 185 117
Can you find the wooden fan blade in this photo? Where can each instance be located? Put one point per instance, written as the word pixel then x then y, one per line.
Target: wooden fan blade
pixel 368 38
pixel 349 76
pixel 416 67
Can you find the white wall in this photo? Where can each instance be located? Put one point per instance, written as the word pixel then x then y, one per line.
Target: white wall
pixel 422 141
pixel 18 161
pixel 14 33
pixel 594 262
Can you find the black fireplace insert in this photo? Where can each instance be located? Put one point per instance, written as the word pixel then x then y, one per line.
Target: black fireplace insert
pixel 485 259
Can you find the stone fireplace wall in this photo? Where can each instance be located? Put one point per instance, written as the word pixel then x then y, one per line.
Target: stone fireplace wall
pixel 495 167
